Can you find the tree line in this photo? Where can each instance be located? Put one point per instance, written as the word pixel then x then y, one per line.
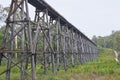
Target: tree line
pixel 112 41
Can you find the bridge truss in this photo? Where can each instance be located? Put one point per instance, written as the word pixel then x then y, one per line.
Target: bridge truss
pixel 49 40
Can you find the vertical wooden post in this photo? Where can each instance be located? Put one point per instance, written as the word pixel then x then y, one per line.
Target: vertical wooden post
pixel 52 53
pixel 72 50
pixel 50 38
pixel 8 67
pixel 44 43
pixel 58 35
pixel 77 48
pixel 67 41
pixel 80 39
pixel 61 45
pixel 13 4
pixel 22 42
pixel 83 50
pixel 64 43
pixel 30 41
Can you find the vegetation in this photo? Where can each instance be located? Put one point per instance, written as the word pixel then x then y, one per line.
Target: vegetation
pixel 3 13
pixel 112 41
pixel 103 68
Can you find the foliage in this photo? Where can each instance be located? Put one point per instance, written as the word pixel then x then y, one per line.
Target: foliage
pixel 3 13
pixel 1 35
pixel 112 41
pixel 94 38
pixel 117 37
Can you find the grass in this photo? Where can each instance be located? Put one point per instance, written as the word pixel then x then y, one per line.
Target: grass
pixel 103 68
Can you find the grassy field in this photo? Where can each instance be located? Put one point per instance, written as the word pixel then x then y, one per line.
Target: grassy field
pixel 103 68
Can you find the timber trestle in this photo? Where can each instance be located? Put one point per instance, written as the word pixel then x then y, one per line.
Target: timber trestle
pixel 50 40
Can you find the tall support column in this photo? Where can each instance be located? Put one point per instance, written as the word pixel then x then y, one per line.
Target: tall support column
pixel 61 46
pixel 44 42
pixel 90 53
pixel 30 41
pixel 49 35
pixel 8 67
pixel 80 49
pixel 72 50
pixel 80 39
pixel 85 59
pixel 58 35
pixel 83 51
pixel 52 53
pixel 86 46
pixel 44 54
pixel 50 39
pixel 13 5
pixel 77 48
pixel 64 48
pixel 67 46
pixel 22 42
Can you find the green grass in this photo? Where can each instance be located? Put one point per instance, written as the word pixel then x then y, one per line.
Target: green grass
pixel 103 68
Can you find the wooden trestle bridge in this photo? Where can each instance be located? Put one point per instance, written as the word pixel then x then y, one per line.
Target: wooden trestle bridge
pixel 50 40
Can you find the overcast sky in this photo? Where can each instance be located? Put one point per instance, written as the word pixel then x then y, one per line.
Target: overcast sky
pixel 92 17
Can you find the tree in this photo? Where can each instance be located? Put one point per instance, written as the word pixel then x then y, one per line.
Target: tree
pixel 101 41
pixel 94 39
pixel 117 38
pixel 3 13
pixel 2 18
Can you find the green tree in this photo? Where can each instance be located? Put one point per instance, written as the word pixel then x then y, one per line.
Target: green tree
pixel 2 29
pixel 1 36
pixel 94 39
pixel 117 38
pixel 3 13
pixel 100 41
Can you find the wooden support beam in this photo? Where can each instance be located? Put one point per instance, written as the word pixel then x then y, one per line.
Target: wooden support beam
pixel 58 43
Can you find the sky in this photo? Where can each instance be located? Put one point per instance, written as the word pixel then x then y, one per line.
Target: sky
pixel 92 17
